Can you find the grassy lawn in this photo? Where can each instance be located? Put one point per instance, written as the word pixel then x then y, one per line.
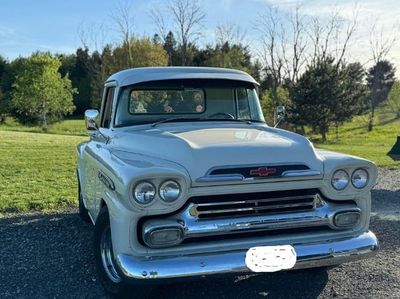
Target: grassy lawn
pixel 72 126
pixel 37 171
pixel 355 140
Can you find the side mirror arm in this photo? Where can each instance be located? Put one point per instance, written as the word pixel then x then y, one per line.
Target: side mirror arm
pixel 279 115
pixel 91 122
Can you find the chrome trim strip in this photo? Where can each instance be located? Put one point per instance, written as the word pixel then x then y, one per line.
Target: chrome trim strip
pixel 238 177
pixel 324 253
pixel 301 173
pixel 220 178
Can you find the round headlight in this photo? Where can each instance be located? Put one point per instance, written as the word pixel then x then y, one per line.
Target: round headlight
pixel 359 178
pixel 170 191
pixel 340 179
pixel 144 192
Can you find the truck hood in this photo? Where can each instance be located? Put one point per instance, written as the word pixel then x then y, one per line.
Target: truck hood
pixel 198 148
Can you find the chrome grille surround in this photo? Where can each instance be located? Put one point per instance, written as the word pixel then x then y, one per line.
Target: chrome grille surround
pixel 281 210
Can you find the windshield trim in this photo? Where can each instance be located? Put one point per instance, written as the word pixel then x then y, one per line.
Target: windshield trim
pixel 191 82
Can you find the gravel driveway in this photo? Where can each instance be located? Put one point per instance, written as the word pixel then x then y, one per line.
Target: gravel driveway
pixel 50 256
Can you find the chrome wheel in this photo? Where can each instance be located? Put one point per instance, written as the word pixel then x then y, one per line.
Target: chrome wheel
pixel 107 256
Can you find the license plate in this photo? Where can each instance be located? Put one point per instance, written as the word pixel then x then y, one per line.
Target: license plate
pixel 270 258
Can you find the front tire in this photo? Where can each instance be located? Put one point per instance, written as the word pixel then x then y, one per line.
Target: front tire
pixel 104 258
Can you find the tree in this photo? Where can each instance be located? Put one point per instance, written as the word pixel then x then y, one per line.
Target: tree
pixel 292 40
pixel 170 48
pixel 187 18
pixel 4 109
pixel 394 98
pixel 40 94
pixel 75 66
pixel 381 40
pixel 325 95
pixel 7 80
pixel 81 78
pixel 269 101
pixel 228 55
pixel 145 52
pixel 354 94
pixel 380 79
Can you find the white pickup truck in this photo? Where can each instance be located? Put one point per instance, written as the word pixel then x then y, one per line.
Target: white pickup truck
pixel 182 177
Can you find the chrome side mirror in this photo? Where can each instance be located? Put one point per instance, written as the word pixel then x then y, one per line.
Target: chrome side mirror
pixel 279 115
pixel 92 119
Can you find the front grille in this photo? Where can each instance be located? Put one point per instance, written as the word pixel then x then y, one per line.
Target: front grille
pixel 252 204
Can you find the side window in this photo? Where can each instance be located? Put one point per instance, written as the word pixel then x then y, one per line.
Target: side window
pixel 107 106
pixel 243 107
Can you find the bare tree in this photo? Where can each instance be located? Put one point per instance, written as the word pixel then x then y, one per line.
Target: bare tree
pixel 331 38
pixel 298 44
pixel 124 21
pixel 283 47
pixel 380 43
pixel 160 23
pixel 186 19
pixel 230 33
pixel 273 36
pixel 286 50
pixel 92 36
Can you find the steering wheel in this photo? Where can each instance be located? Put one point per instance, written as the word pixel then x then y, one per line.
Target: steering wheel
pixel 223 115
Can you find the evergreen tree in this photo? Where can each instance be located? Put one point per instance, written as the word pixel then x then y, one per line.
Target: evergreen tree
pixel 380 79
pixel 327 95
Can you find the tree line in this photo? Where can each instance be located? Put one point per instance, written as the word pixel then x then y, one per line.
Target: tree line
pixel 301 63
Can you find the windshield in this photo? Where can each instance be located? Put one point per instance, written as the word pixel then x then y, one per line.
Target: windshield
pixel 189 100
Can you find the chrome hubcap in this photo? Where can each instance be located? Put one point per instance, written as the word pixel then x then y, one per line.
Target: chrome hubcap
pixel 107 256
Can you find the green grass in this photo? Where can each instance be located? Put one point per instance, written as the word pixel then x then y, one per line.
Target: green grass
pixel 72 126
pixel 355 140
pixel 37 171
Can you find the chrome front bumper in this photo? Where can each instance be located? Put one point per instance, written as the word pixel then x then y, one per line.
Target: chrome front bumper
pixel 309 255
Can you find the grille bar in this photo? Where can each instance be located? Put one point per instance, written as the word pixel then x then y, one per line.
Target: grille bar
pixel 256 208
pixel 246 206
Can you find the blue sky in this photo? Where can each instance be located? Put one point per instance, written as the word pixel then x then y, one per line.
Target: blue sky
pixel 27 26
pixel 53 25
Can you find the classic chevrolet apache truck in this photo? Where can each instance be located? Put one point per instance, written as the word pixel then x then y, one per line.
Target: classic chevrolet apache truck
pixel 182 177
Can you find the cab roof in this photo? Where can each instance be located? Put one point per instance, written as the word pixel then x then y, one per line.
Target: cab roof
pixel 147 74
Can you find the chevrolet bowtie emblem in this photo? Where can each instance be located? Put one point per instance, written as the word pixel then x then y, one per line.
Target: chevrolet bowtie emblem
pixel 262 171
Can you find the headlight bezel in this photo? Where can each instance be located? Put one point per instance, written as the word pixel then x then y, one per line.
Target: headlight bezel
pixel 162 196
pixel 133 192
pixel 366 181
pixel 333 176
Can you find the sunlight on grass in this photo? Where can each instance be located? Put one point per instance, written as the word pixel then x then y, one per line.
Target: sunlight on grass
pixel 65 127
pixel 354 139
pixel 37 171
